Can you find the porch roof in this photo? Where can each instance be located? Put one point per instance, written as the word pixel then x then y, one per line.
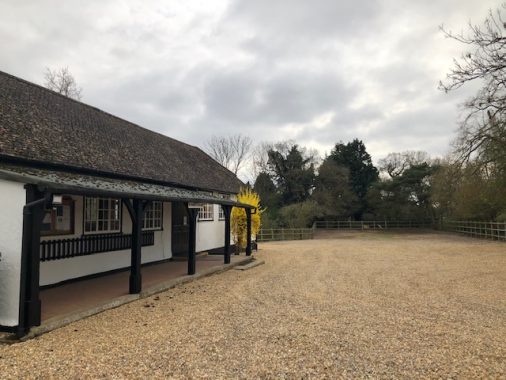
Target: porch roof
pixel 61 182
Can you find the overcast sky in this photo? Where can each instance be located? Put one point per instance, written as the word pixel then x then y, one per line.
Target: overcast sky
pixel 317 72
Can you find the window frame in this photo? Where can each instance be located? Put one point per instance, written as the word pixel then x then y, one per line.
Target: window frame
pixel 221 214
pixel 66 201
pixel 103 232
pixel 160 228
pixel 202 210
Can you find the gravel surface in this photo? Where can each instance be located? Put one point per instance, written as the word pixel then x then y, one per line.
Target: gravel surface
pixel 375 305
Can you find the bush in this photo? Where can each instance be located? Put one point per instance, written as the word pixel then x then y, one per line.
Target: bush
pixel 300 215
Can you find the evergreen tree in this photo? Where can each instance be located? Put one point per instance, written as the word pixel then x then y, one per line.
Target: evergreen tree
pixel 293 172
pixel 362 173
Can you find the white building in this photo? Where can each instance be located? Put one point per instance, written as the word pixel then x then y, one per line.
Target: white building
pixel 84 192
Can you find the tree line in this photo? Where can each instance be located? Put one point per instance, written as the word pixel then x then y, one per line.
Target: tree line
pixel 297 187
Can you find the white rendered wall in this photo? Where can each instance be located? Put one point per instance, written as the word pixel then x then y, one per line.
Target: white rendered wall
pixel 52 272
pixel 12 200
pixel 210 234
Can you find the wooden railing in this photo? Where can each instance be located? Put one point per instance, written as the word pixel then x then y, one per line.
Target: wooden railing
pixel 486 230
pixel 89 245
pixel 273 234
pixel 372 224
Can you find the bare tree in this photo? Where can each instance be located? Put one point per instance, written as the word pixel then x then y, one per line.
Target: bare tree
pixel 394 164
pixel 232 151
pixel 482 132
pixel 63 82
pixel 260 158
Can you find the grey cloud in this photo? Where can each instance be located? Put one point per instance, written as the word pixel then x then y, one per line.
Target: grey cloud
pixel 306 19
pixel 258 97
pixel 256 68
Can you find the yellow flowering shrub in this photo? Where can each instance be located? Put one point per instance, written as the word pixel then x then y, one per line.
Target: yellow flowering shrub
pixel 238 217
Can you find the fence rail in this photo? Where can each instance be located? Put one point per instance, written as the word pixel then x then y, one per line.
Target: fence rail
pixel 274 234
pixel 372 224
pixel 90 244
pixel 486 230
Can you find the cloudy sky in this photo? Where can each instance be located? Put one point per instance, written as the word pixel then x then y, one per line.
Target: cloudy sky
pixel 317 72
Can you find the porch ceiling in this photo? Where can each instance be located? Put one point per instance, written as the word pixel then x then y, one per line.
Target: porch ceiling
pixel 58 182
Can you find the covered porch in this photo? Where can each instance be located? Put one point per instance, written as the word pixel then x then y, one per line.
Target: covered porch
pixel 44 188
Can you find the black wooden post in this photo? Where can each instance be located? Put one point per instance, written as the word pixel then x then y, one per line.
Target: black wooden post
pixel 136 211
pixel 135 282
pixel 226 212
pixel 248 232
pixel 29 301
pixel 192 237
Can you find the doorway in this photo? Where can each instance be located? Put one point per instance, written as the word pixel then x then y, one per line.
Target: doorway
pixel 180 230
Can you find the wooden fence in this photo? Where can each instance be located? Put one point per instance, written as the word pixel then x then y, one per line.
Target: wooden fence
pixel 486 230
pixel 372 224
pixel 89 245
pixel 273 234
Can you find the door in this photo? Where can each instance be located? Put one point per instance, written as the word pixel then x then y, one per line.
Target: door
pixel 180 229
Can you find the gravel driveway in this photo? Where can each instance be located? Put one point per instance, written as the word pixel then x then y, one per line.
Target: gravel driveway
pixel 346 305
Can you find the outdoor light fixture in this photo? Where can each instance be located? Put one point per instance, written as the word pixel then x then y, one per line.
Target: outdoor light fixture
pixel 194 205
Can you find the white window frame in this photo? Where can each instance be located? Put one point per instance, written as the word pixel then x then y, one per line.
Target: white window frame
pixel 153 217
pixel 114 206
pixel 221 214
pixel 206 213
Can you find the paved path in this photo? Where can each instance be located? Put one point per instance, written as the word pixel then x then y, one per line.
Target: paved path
pixel 351 305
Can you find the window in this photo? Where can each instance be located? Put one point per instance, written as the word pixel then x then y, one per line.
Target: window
pixel 59 220
pixel 153 216
pixel 102 215
pixel 206 212
pixel 221 215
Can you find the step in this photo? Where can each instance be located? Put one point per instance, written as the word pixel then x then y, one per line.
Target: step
pixel 250 265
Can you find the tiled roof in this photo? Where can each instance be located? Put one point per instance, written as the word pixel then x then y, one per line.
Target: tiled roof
pixel 41 125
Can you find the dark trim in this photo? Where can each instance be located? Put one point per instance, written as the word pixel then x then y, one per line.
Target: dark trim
pixel 9 329
pixel 98 173
pixel 101 274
